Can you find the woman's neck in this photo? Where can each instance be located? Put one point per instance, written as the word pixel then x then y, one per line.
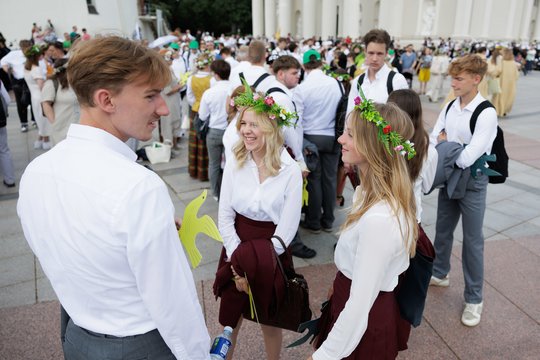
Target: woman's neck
pixel 258 156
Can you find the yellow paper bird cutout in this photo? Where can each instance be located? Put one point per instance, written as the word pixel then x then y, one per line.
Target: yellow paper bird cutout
pixel 193 225
pixel 305 194
pixel 184 77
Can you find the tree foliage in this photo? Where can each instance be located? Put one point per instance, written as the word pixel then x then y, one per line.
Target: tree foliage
pixel 214 16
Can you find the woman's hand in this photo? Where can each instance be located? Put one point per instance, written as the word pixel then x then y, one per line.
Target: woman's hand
pixel 240 282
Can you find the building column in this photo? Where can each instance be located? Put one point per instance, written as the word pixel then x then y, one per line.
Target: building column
pixel 257 13
pixel 487 19
pixel 328 17
pixel 269 18
pixel 391 17
pixel 526 21
pixel 351 18
pixel 462 24
pixel 308 18
pixel 284 20
pixel 536 35
pixel 510 35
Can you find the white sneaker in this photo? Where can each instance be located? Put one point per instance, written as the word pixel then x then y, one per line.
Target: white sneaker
pixel 444 282
pixel 47 145
pixel 472 314
pixel 38 144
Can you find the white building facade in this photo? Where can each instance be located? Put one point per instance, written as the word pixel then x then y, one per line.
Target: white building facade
pixel 120 17
pixel 502 20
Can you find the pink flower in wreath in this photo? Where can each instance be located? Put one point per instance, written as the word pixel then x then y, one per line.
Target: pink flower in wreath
pixel 256 97
pixel 232 103
pixel 272 117
pixel 357 100
pixel 269 101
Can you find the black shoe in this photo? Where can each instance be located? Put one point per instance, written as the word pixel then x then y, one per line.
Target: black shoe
pixel 304 252
pixel 310 229
pixel 9 185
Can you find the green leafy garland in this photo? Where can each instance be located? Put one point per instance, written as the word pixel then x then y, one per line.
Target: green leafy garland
pixel 339 77
pixel 389 138
pixel 264 104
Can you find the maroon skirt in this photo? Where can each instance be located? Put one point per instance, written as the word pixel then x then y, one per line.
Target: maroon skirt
pixel 254 258
pixel 386 332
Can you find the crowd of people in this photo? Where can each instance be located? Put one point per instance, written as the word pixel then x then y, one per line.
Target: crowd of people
pixel 270 109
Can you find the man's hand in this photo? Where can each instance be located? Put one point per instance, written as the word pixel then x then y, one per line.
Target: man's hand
pixel 442 136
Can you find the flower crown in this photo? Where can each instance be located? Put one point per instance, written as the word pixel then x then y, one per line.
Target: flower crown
pixel 204 59
pixel 339 77
pixel 34 50
pixel 389 138
pixel 263 104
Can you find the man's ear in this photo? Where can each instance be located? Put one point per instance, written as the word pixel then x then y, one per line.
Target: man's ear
pixel 103 100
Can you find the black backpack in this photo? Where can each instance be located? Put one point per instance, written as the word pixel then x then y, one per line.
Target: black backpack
pixel 500 164
pixel 341 111
pixel 389 86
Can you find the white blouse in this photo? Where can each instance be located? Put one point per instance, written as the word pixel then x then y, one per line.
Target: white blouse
pixel 424 181
pixel 372 253
pixel 277 199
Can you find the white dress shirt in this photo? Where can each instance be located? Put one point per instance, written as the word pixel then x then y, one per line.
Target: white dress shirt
pixel 232 62
pixel 230 137
pixel 456 125
pixel 103 229
pixel 424 181
pixel 376 90
pixel 316 100
pixel 15 61
pixel 277 199
pixel 372 254
pixel 213 105
pixel 241 67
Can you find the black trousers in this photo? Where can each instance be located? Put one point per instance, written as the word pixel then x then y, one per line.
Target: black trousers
pixel 22 106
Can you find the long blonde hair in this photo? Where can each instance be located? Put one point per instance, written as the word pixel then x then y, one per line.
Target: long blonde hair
pixel 273 142
pixel 386 177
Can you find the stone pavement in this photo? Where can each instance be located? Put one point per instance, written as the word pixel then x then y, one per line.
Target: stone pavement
pixel 510 327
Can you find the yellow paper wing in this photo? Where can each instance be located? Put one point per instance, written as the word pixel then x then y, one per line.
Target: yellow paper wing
pixel 193 225
pixel 305 194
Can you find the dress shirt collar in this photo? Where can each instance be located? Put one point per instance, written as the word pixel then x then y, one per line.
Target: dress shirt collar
pixel 470 106
pixel 382 73
pixel 99 136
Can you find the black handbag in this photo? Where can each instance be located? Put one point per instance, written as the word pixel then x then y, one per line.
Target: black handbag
pixel 201 127
pixel 294 308
pixel 414 282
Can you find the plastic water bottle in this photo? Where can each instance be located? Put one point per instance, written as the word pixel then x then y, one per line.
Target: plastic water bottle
pixel 221 344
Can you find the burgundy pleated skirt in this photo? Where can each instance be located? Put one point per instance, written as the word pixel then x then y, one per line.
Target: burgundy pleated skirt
pixel 386 332
pixel 255 257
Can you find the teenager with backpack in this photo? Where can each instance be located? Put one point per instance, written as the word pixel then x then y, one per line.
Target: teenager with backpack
pixel 453 125
pixel 379 80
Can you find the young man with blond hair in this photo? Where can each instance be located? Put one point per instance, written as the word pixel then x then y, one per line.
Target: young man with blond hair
pixel 102 226
pixel 453 125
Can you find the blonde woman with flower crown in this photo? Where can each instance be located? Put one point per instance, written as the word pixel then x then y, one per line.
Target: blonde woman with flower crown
pixel 362 319
pixel 197 84
pixel 260 203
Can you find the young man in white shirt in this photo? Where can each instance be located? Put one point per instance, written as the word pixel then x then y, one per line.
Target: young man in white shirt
pixel 316 100
pixel 453 124
pixel 375 81
pixel 102 226
pixel 287 72
pixel 213 109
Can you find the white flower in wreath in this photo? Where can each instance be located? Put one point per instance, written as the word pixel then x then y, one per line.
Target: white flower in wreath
pixel 340 78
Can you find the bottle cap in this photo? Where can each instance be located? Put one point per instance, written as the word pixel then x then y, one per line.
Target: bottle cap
pixel 228 328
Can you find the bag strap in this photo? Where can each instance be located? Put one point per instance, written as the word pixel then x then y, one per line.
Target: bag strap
pixel 389 80
pixel 341 90
pixel 474 117
pixel 448 107
pixel 389 85
pixel 280 265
